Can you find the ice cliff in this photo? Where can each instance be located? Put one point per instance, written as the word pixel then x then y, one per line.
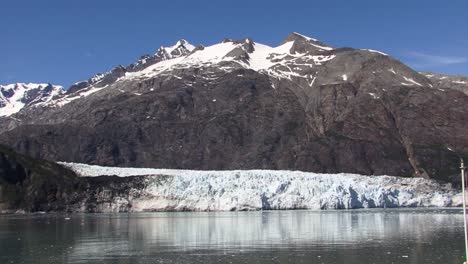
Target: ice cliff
pixel 187 190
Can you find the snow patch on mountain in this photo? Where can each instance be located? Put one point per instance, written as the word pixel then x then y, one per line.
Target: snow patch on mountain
pixel 321 58
pixel 376 51
pixel 268 189
pixel 411 81
pixel 72 97
pixel 306 37
pixel 213 54
pixel 264 56
pixel 320 46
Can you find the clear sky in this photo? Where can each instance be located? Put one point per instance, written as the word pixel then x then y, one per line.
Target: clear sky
pixel 65 41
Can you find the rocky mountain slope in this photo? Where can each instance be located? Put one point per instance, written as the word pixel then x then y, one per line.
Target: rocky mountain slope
pixel 443 81
pixel 242 105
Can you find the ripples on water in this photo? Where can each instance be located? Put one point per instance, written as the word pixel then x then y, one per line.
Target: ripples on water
pixel 351 237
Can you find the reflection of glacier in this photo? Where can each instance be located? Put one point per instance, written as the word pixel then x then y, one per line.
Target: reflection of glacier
pixel 266 189
pixel 156 233
pixel 276 228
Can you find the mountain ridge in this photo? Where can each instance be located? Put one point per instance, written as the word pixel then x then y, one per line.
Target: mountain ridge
pixel 179 49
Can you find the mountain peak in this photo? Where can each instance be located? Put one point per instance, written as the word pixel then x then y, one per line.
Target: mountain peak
pixel 180 48
pixel 304 43
pixel 297 36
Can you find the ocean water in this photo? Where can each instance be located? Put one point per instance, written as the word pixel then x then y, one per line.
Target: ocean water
pixel 343 236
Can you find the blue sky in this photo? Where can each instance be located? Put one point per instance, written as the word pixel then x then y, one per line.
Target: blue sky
pixel 63 42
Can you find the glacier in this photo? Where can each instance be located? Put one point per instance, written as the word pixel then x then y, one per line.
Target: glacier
pixel 238 190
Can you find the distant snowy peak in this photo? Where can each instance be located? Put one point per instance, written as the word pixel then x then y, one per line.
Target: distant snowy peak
pixel 181 48
pixel 14 97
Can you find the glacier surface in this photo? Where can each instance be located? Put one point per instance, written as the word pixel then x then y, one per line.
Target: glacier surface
pixel 190 190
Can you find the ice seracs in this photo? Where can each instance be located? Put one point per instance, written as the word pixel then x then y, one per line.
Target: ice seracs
pixel 167 189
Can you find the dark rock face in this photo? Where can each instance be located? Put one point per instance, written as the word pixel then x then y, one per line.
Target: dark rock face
pixel 99 80
pixel 331 110
pixel 33 185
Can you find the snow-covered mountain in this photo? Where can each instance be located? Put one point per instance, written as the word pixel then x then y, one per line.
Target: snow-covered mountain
pixel 14 97
pixel 299 58
pixel 240 104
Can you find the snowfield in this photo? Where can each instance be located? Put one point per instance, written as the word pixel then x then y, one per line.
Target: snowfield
pixel 189 190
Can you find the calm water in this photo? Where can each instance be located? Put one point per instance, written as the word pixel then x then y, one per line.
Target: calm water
pixel 351 237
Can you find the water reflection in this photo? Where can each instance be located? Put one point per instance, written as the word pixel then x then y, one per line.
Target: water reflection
pixel 364 236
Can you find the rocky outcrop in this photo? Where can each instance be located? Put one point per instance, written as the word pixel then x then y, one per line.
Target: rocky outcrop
pixel 32 185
